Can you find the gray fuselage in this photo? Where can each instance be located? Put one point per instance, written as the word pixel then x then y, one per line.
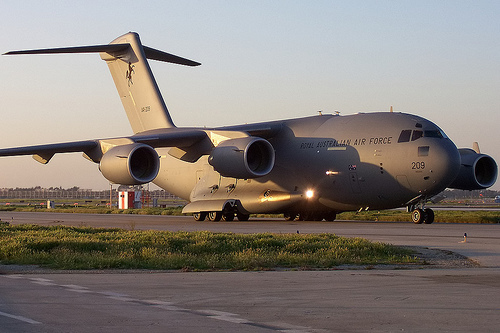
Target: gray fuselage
pixel 329 163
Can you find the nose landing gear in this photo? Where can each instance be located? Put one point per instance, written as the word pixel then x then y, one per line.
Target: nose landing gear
pixel 425 215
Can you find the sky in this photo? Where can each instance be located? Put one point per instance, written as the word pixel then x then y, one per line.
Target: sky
pixel 261 60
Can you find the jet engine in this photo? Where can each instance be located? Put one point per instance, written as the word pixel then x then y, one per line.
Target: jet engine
pixel 243 158
pixel 130 164
pixel 477 171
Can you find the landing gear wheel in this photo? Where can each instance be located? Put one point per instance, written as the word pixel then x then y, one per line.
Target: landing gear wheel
pixel 309 216
pixel 200 216
pixel 215 216
pixel 303 216
pixel 429 216
pixel 316 217
pixel 228 217
pixel 418 216
pixel 242 217
pixel 290 216
pixel 330 216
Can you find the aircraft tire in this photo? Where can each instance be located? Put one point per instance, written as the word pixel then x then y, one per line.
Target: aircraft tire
pixel 228 216
pixel 303 216
pixel 290 216
pixel 429 216
pixel 418 216
pixel 242 217
pixel 316 217
pixel 200 216
pixel 330 216
pixel 215 216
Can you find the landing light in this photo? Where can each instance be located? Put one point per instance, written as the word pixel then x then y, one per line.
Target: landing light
pixel 309 194
pixel 331 173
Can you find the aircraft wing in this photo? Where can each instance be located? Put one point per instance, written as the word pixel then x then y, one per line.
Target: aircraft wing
pixel 176 137
pixel 66 147
pixel 155 139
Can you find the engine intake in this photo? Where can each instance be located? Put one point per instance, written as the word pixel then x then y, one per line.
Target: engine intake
pixel 131 164
pixel 243 158
pixel 477 171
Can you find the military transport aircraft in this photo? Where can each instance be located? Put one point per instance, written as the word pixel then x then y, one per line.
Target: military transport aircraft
pixel 308 168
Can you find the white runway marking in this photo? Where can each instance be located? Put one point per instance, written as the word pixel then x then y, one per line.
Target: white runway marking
pixel 43 282
pixel 74 286
pixel 20 318
pixel 117 296
pixel 225 316
pixel 164 305
pixel 168 306
pixel 76 289
pixel 14 276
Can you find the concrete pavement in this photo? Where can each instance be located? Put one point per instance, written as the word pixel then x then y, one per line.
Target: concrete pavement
pixel 423 300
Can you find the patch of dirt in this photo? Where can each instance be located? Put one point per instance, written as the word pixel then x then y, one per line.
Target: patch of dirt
pixel 437 258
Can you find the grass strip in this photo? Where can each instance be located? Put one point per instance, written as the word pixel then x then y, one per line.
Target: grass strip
pixel 64 247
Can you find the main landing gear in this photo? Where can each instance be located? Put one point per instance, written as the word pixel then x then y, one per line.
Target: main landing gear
pixel 220 216
pixel 310 216
pixel 422 215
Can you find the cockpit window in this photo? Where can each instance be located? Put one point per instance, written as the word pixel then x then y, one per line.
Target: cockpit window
pixel 433 134
pixel 404 136
pixel 417 135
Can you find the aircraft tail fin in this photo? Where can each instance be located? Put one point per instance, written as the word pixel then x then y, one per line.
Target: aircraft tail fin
pixel 127 61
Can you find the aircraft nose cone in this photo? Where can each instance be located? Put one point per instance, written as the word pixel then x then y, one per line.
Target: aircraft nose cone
pixel 445 164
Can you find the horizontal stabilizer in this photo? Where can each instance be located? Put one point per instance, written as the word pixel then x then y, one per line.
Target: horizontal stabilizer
pixel 108 48
pixel 127 60
pixel 116 50
pixel 155 54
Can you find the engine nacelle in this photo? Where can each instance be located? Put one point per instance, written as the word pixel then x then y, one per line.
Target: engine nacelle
pixel 477 171
pixel 131 164
pixel 243 158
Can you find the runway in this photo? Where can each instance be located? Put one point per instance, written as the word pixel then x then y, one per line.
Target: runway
pixel 458 299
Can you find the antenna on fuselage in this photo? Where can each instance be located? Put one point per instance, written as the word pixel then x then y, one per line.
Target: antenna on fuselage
pixel 391 109
pixel 475 147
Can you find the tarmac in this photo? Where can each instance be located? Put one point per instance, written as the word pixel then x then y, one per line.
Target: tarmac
pixel 458 297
